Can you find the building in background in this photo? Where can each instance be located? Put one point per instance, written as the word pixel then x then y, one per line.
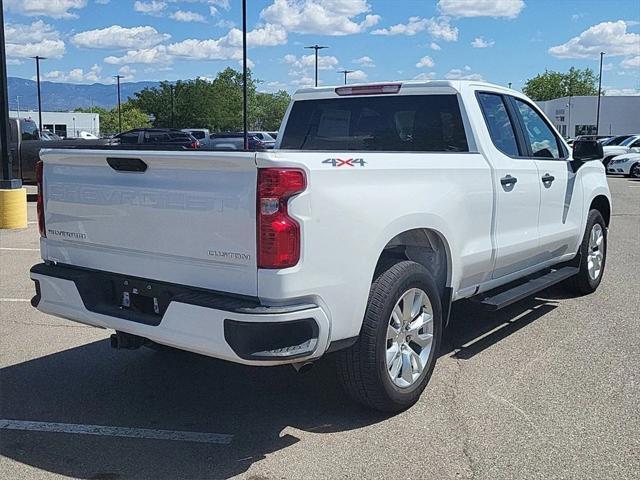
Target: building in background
pixel 574 116
pixel 64 124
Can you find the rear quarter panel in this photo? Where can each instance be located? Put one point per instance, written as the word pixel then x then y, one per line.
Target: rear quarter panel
pixel 349 213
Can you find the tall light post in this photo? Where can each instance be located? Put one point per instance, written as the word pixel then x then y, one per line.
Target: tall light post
pixel 118 77
pixel 7 181
pixel 509 84
pixel 18 97
pixel 173 109
pixel 37 58
pixel 346 72
pixel 245 121
pixel 599 94
pixel 316 47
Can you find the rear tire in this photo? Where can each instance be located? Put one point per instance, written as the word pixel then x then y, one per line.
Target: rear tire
pixel 370 371
pixel 592 256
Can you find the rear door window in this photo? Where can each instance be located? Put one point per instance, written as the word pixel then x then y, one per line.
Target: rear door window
pixel 130 138
pixel 416 123
pixel 499 123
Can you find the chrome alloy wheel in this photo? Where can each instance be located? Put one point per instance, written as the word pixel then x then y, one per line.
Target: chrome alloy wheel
pixel 596 251
pixel 409 338
pixel 635 170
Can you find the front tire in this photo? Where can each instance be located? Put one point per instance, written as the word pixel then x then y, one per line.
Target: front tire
pixel 593 256
pixel 391 363
pixel 634 171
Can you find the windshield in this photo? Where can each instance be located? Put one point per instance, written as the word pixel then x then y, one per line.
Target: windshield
pixel 616 140
pixel 629 141
pixel 418 123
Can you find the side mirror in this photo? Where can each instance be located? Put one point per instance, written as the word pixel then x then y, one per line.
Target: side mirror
pixel 635 149
pixel 586 150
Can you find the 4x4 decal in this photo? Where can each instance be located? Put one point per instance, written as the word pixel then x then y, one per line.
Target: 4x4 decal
pixel 349 162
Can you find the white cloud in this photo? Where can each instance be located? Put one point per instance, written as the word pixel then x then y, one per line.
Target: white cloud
pixel 366 62
pixel 463 74
pixel 425 76
pixel 435 46
pixel 149 8
pixel 631 62
pixel 357 76
pixel 227 47
pixel 14 61
pixel 609 37
pixel 616 92
pixel 225 23
pixel 481 8
pixel 127 73
pixel 115 37
pixel 38 38
pixel 187 16
pixel 302 68
pixel 437 27
pixel 154 55
pixel 224 4
pixel 41 8
pixel 78 75
pixel 324 17
pixel 425 62
pixel 480 42
pixel 213 11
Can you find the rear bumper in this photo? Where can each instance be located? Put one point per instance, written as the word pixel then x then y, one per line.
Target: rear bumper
pixel 236 329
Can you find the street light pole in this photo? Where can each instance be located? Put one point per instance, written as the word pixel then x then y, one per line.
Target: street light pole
pixel 346 72
pixel 18 104
pixel 7 181
pixel 118 77
pixel 171 87
pixel 316 47
pixel 599 94
pixel 509 84
pixel 37 59
pixel 245 120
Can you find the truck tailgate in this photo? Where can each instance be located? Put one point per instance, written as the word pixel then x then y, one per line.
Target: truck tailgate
pixel 187 218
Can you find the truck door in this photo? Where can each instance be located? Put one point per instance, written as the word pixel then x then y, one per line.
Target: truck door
pixel 517 184
pixel 560 216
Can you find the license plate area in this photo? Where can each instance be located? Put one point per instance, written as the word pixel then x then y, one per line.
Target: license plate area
pixel 142 297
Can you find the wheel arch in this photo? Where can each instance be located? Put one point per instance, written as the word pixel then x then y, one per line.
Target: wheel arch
pixel 428 247
pixel 603 205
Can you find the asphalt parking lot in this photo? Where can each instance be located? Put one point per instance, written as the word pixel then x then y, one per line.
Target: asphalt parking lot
pixel 548 388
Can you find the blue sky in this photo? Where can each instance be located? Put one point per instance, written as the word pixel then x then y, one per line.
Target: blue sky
pixel 501 41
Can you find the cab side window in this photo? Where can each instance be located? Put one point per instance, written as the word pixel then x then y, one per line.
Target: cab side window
pixel 538 135
pixel 499 123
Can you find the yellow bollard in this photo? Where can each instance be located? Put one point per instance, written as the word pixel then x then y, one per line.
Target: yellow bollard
pixel 13 208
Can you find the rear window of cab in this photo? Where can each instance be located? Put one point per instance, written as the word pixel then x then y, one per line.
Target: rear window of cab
pixel 410 123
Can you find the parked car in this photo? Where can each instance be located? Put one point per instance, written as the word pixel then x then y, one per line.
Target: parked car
pixel 200 134
pixel 87 135
pixel 158 137
pixel 235 141
pixel 627 164
pixel 631 144
pixel 617 140
pixel 49 136
pixel 383 205
pixel 274 135
pixel 265 137
pixel 26 141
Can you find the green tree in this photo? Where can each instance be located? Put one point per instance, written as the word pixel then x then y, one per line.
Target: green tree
pixel 214 104
pixel 132 117
pixel 551 84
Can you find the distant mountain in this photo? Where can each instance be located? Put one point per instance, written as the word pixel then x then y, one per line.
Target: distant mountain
pixel 68 96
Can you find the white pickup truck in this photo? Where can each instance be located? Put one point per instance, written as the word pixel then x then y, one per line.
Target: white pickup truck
pixel 380 205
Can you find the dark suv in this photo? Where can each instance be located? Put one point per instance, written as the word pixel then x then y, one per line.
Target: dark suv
pixel 167 137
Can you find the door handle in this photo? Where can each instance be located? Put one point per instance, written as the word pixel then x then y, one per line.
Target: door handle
pixel 548 178
pixel 508 180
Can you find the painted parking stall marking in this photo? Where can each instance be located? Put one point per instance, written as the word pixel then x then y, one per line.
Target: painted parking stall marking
pixel 106 431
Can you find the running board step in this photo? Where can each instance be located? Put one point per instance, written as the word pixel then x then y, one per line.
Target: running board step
pixel 524 290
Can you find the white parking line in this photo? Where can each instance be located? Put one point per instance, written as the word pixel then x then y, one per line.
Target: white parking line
pixel 200 437
pixel 14 300
pixel 11 249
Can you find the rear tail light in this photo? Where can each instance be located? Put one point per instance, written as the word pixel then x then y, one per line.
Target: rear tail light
pixel 40 199
pixel 278 235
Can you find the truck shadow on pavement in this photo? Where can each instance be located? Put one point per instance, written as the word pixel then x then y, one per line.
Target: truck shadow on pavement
pixel 263 408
